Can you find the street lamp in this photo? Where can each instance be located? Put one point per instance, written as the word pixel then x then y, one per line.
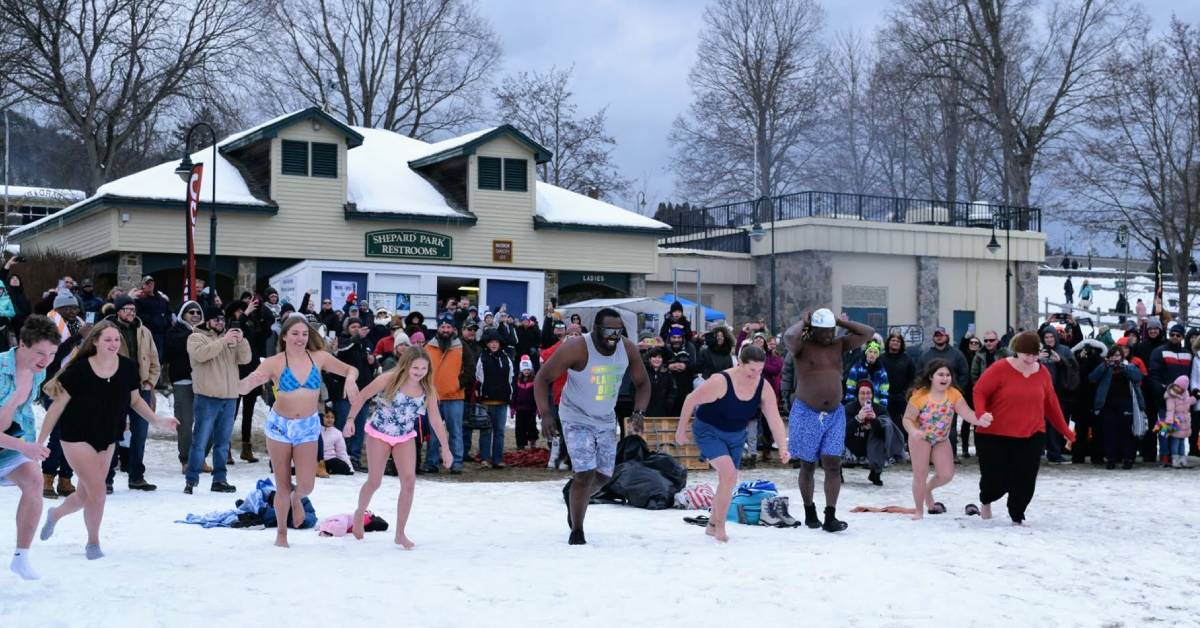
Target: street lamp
pixel 184 170
pixel 992 247
pixel 1123 240
pixel 757 234
pixel 641 202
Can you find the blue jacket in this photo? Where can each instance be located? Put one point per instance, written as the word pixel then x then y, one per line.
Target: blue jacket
pixel 878 377
pixel 1101 376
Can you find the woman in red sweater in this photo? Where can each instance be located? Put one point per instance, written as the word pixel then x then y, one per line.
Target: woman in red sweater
pixel 1019 394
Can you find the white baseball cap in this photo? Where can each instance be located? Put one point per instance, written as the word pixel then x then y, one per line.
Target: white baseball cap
pixel 823 319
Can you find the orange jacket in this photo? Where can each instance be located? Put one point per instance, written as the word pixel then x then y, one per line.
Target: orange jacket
pixel 447 367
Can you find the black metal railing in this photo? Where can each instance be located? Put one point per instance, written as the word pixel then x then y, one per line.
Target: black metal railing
pixel 726 227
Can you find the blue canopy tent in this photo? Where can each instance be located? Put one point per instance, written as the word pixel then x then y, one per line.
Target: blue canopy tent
pixel 710 315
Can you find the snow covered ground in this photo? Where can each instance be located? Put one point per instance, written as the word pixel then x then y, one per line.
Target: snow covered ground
pixel 1102 549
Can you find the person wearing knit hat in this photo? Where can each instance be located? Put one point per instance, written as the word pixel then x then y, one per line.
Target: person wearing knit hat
pixel 1167 361
pixel 1019 394
pixel 417 339
pixel 494 375
pixel 674 317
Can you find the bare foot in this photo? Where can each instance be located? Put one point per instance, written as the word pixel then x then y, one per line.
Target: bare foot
pixel 985 511
pixel 281 540
pixel 403 541
pixel 917 516
pixel 297 511
pixel 716 533
pixel 357 524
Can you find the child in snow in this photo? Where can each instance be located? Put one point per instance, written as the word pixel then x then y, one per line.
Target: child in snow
pixel 1176 424
pixel 524 406
pixel 405 393
pixel 337 459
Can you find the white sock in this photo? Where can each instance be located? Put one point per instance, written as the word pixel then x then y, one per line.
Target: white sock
pixel 20 565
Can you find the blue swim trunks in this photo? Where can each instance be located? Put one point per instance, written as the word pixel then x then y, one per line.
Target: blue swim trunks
pixel 292 431
pixel 714 443
pixel 812 434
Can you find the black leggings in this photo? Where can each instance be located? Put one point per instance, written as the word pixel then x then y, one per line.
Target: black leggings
pixel 1010 466
pixel 247 401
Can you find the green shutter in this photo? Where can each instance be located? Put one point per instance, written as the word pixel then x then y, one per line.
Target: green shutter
pixel 324 160
pixel 516 175
pixel 295 158
pixel 489 173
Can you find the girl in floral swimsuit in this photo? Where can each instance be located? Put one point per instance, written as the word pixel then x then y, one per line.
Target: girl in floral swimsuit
pixel 929 418
pixel 405 394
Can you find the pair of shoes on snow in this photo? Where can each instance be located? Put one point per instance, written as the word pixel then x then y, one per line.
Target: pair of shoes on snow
pixel 831 523
pixel 775 513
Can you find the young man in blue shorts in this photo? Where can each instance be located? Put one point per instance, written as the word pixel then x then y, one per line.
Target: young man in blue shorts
pixel 817 423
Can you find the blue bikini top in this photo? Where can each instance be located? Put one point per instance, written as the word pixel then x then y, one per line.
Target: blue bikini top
pixel 288 381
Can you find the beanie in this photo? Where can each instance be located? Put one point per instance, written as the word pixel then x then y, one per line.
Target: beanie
pixel 1025 342
pixel 122 301
pixel 417 337
pixel 526 363
pixel 1182 381
pixel 1154 323
pixel 1178 329
pixel 213 312
pixel 65 299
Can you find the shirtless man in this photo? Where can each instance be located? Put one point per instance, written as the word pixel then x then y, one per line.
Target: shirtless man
pixel 817 423
pixel 594 365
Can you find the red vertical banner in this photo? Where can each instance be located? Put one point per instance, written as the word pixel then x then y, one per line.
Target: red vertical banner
pixel 193 204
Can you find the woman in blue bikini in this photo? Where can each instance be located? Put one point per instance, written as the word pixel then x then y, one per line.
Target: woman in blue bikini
pixel 293 423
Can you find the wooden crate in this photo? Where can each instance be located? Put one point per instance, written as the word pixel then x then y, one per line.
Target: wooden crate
pixel 659 433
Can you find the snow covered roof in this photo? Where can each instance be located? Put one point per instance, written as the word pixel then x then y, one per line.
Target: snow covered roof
pixel 377 182
pixel 466 145
pixel 49 194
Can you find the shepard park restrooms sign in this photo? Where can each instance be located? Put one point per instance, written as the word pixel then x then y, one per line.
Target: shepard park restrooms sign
pixel 409 244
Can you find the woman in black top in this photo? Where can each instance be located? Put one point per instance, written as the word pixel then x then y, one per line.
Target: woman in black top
pixel 92 396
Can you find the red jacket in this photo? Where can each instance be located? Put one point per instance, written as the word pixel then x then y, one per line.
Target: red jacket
pixel 1019 405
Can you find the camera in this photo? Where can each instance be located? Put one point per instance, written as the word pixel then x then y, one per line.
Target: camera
pixel 234 325
pixel 21 259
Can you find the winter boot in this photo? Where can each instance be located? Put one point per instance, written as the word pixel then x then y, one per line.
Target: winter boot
pixel 1165 461
pixel 769 514
pixel 1177 461
pixel 321 472
pixel 248 453
pixel 810 516
pixel 552 462
pixel 64 486
pixel 229 457
pixel 1183 462
pixel 786 517
pixel 750 462
pixel 831 522
pixel 48 486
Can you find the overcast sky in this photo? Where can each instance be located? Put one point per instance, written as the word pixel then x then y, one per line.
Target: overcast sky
pixel 634 57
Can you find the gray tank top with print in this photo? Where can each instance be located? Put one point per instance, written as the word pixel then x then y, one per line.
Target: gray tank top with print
pixel 590 395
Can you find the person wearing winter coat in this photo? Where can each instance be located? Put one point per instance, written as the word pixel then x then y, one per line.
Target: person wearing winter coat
pixel 215 353
pixel 1069 291
pixel 717 355
pixel 524 406
pixel 529 339
pixel 415 322
pixel 1167 362
pixel 682 363
pixel 1140 310
pixel 662 383
pixel 1064 373
pixel 494 374
pixel 901 372
pixel 1089 354
pixel 1085 295
pixel 1118 398
pixel 869 368
pixel 179 373
pixel 674 317
pixel 869 430
pixel 1176 424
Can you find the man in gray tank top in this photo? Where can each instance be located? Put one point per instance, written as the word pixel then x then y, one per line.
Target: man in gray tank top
pixel 594 365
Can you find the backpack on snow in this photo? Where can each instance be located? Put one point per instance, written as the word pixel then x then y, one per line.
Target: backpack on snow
pixel 746 506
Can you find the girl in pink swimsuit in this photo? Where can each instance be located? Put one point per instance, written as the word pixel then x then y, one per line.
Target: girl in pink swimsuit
pixel 403 395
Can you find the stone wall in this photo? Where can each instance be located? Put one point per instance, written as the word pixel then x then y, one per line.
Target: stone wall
pixel 247 276
pixel 551 291
pixel 1025 293
pixel 928 295
pixel 129 270
pixel 637 285
pixel 802 280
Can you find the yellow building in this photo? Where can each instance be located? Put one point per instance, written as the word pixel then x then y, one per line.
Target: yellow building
pixel 317 206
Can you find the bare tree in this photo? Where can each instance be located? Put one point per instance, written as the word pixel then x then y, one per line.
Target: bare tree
pixel 757 87
pixel 845 162
pixel 542 106
pixel 412 66
pixel 106 68
pixel 1138 158
pixel 1030 79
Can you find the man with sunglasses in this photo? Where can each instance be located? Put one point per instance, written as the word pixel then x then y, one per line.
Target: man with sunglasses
pixel 594 365
pixel 1167 362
